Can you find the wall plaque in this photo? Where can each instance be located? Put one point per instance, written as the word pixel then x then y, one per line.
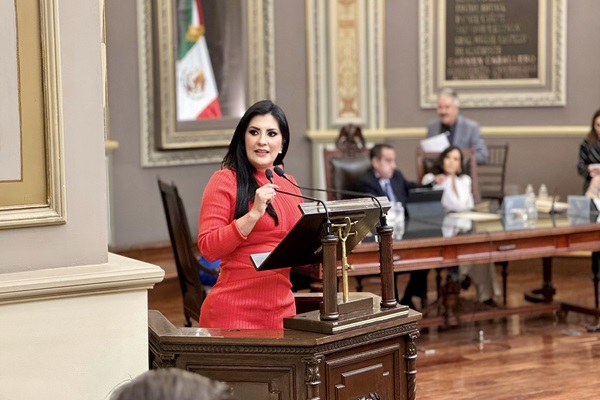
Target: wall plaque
pixel 492 40
pixel 494 53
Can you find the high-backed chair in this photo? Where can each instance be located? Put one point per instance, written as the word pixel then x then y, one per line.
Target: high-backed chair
pixel 184 250
pixel 345 166
pixel 491 175
pixel 426 161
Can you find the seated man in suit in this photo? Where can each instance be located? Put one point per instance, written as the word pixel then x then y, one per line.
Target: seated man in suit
pixel 462 132
pixel 383 179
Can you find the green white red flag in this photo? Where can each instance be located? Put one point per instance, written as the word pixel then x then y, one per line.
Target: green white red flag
pixel 197 94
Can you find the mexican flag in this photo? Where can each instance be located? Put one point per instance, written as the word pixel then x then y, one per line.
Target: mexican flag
pixel 197 94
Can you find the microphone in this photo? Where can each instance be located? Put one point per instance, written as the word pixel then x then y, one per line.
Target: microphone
pixel 382 216
pixel 269 174
pixel 327 228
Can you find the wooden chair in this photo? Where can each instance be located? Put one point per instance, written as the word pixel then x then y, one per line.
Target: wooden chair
pixel 491 175
pixel 184 250
pixel 426 161
pixel 345 166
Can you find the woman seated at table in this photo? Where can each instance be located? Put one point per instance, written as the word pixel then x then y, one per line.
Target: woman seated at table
pixel 588 165
pixel 241 215
pixel 458 196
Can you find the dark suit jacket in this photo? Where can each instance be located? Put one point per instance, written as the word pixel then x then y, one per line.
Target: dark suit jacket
pixel 370 184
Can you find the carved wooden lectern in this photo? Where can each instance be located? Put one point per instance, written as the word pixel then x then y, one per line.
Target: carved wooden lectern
pixel 356 346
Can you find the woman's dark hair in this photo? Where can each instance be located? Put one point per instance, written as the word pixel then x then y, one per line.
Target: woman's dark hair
pixel 438 168
pixel 592 137
pixel 236 158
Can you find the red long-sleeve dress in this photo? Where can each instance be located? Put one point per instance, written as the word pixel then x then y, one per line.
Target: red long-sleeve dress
pixel 244 298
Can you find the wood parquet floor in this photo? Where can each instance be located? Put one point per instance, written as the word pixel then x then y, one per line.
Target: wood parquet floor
pixel 518 357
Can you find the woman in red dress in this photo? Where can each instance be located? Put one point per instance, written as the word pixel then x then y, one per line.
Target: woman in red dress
pixel 241 215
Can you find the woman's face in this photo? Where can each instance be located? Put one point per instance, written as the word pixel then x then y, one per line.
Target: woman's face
pixel 597 126
pixel 452 162
pixel 263 141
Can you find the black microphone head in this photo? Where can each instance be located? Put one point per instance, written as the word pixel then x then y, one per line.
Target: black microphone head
pixel 269 175
pixel 279 171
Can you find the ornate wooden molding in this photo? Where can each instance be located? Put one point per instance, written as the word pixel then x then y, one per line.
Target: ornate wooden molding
pixel 329 135
pixel 346 44
pixel 312 377
pixel 324 348
pixel 410 356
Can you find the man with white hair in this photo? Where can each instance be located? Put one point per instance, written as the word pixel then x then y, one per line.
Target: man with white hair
pixel 461 131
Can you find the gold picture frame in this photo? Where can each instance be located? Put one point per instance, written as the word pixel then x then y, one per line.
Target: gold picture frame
pixel 37 196
pixel 165 141
pixel 488 36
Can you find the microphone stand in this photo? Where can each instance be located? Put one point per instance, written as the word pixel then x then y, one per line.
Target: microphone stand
pixel 386 241
pixel 382 215
pixel 329 241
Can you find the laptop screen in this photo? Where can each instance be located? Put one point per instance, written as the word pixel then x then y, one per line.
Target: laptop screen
pixel 425 203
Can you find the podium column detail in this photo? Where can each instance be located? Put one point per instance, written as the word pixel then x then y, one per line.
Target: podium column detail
pixel 329 309
pixel 386 262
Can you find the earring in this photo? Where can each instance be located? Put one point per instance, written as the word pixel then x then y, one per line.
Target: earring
pixel 280 151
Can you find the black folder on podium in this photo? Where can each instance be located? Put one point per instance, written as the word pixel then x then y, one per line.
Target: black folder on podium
pixel 302 244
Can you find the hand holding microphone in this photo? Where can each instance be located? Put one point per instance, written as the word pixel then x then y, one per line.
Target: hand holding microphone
pixel 265 194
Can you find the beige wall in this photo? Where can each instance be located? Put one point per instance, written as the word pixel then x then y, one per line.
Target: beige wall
pixel 73 317
pixel 139 218
pixel 82 240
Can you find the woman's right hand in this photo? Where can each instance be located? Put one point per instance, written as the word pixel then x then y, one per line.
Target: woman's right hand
pixel 593 169
pixel 263 196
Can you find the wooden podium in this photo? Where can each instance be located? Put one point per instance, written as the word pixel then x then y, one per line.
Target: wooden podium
pixel 355 346
pixel 377 361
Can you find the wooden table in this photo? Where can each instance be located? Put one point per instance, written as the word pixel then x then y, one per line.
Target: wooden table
pixel 373 362
pixel 490 242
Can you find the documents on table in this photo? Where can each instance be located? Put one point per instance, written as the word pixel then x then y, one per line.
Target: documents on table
pixel 476 216
pixel 547 206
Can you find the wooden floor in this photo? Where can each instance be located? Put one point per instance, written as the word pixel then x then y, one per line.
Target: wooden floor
pixel 519 357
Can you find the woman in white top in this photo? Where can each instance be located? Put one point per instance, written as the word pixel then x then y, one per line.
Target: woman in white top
pixel 457 197
pixel 458 194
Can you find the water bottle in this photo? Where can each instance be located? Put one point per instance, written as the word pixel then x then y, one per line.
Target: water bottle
pixel 399 221
pixel 530 206
pixel 543 193
pixel 399 212
pixel 529 190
